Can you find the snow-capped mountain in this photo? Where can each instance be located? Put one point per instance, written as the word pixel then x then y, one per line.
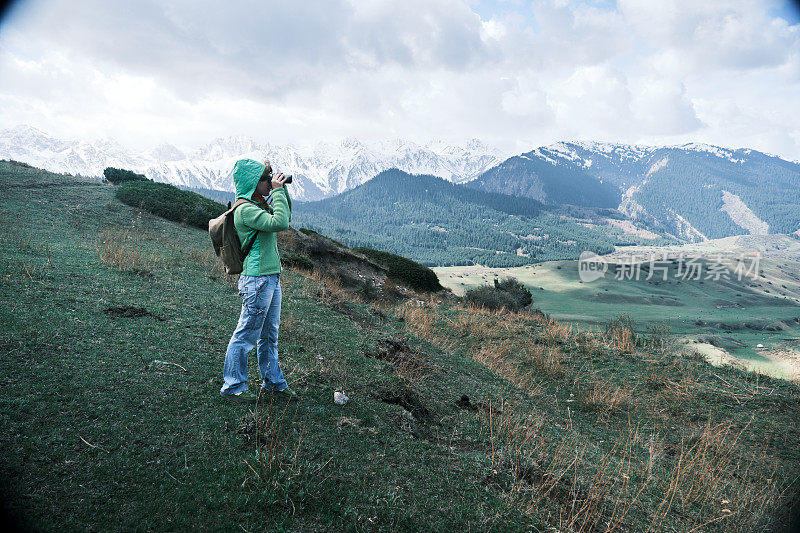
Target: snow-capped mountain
pixel 693 191
pixel 320 170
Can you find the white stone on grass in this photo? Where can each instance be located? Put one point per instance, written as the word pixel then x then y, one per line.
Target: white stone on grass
pixel 339 398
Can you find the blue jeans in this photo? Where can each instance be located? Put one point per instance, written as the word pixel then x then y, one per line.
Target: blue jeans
pixel 258 326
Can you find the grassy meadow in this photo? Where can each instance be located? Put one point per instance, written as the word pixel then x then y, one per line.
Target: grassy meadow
pixel 724 318
pixel 114 328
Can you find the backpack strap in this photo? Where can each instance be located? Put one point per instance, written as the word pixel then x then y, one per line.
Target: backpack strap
pixel 249 243
pixel 239 202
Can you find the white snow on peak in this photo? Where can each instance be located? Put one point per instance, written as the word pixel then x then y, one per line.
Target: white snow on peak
pixel 585 153
pixel 565 150
pixel 724 153
pixel 321 170
pixel 165 152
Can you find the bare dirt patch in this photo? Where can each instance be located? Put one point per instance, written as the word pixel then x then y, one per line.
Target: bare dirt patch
pixel 399 353
pixel 408 400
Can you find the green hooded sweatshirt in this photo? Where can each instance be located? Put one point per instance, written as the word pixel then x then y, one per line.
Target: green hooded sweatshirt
pixel 248 218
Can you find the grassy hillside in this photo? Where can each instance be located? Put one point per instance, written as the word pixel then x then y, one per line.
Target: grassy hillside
pixel 113 329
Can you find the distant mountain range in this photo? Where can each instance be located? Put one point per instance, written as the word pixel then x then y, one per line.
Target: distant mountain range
pixel 320 170
pixel 694 192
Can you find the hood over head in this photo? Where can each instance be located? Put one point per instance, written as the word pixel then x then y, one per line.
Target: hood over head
pixel 246 174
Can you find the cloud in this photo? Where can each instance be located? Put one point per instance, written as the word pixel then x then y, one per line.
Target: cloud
pixel 662 107
pixel 510 72
pixel 715 34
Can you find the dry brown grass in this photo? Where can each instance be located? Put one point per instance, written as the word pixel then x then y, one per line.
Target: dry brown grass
pixel 419 320
pixel 580 487
pixel 507 368
pixel 412 374
pixel 560 478
pixel 209 262
pixel 422 321
pixel 499 340
pixel 621 339
pixel 121 248
pixel 711 482
pixel 558 332
pixel 324 287
pixel 676 393
pixel 140 249
pixel 606 396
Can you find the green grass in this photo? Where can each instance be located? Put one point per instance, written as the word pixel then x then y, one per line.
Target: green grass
pixel 116 423
pixel 167 454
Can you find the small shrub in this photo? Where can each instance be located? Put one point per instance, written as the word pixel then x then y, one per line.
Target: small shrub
pixel 658 337
pixel 404 270
pixel 490 298
pixel 513 287
pixel 170 202
pixel 508 293
pixel 297 260
pixel 120 175
pixel 621 332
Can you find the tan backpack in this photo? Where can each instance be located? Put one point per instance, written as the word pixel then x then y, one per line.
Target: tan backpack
pixel 226 241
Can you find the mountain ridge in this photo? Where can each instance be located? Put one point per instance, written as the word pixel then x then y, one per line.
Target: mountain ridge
pixel 693 191
pixel 321 170
pixel 436 222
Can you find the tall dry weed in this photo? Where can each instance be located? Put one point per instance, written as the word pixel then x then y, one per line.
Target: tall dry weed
pixel 276 465
pixel 606 396
pixel 121 249
pixel 714 484
pixel 558 478
pixel 323 287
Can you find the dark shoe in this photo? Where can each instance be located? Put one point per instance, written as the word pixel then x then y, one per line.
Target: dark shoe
pixel 288 394
pixel 244 397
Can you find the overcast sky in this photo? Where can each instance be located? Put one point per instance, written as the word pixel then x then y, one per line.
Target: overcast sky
pixel 514 73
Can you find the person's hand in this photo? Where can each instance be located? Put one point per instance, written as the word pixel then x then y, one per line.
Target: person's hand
pixel 277 181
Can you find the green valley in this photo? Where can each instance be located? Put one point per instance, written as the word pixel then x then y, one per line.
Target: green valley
pixel 726 318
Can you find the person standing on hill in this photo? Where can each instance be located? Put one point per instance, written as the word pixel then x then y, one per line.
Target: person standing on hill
pixel 259 283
